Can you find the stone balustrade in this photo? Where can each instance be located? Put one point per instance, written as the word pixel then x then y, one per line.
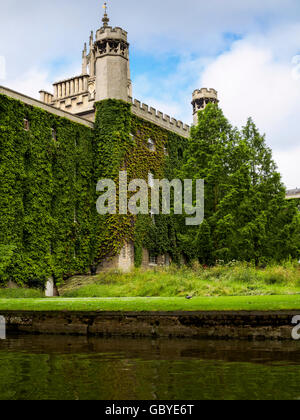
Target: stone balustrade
pixel 46 97
pixel 70 87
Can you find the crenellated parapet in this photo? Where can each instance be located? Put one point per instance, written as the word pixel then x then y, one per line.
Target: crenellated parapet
pixel 111 41
pixel 108 32
pixel 159 118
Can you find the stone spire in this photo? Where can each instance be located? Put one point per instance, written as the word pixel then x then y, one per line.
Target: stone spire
pixel 84 60
pixel 105 19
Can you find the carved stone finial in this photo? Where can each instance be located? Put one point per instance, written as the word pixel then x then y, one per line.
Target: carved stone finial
pixel 105 19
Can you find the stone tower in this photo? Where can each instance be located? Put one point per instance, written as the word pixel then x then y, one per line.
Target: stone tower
pixel 105 74
pixel 201 97
pixel 109 62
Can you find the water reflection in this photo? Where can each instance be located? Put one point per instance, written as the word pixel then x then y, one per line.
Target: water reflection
pixel 58 367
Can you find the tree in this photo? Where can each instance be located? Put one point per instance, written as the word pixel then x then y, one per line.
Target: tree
pixel 247 217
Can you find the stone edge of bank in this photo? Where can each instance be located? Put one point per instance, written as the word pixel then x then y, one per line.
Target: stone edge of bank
pixel 256 325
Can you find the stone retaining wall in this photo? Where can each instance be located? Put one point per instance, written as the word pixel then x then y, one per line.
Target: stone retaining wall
pixel 212 325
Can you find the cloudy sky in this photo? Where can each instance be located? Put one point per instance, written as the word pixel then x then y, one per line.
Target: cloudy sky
pixel 248 50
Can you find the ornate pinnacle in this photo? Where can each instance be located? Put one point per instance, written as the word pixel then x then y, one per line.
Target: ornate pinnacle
pixel 105 19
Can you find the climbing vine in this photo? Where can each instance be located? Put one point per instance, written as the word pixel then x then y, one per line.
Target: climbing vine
pixel 122 142
pixel 49 168
pixel 46 194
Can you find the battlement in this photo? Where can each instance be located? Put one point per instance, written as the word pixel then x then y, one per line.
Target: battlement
pixel 205 93
pixel 111 33
pixel 111 41
pixel 159 118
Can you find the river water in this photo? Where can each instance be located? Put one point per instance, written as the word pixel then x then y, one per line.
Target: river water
pixel 80 368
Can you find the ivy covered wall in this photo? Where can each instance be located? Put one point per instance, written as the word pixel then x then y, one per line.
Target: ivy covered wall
pixel 46 194
pixel 122 142
pixel 48 175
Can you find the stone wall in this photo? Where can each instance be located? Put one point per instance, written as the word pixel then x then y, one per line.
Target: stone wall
pixel 206 325
pixel 123 262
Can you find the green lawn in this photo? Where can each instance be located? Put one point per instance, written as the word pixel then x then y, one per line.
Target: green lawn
pixel 248 303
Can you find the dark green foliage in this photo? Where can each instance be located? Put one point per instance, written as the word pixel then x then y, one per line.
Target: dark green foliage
pixel 48 220
pixel 46 194
pixel 158 235
pixel 248 217
pixel 111 137
pixel 6 255
pixel 112 143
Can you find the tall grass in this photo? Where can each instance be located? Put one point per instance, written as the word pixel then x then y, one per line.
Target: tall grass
pixel 235 279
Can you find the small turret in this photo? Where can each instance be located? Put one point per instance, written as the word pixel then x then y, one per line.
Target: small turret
pixel 201 97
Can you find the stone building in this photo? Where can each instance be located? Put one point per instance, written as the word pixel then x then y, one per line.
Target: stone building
pixel 50 142
pixel 106 75
pixel 55 125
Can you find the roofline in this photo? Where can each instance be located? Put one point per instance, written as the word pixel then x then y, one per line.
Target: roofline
pixel 49 108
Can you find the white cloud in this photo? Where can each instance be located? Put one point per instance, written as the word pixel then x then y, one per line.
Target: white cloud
pixel 34 80
pixel 28 83
pixel 257 77
pixel 288 164
pixel 254 80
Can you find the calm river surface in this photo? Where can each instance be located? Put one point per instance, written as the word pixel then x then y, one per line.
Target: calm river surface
pixel 80 368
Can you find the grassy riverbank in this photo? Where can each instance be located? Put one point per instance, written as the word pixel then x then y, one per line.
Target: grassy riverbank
pixel 235 303
pixel 230 287
pixel 229 280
